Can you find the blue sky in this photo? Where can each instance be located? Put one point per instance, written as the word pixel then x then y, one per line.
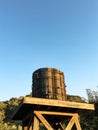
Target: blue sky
pixel 62 34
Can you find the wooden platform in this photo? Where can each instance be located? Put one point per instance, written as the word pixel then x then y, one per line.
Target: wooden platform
pixel 29 104
pixel 45 110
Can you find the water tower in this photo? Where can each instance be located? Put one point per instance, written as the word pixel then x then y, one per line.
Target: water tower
pixel 48 83
pixel 48 104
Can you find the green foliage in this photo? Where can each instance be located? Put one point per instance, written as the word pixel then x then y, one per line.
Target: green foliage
pixel 6 110
pixel 2 111
pixel 88 121
pixel 92 95
pixel 75 98
pixel 7 126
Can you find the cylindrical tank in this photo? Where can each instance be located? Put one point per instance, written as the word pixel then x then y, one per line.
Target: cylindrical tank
pixel 48 83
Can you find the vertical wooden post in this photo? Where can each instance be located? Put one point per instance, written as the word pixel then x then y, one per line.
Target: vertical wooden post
pixel 24 127
pixel 36 123
pixel 43 120
pixel 77 122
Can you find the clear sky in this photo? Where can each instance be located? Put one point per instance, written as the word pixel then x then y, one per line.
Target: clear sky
pixel 62 34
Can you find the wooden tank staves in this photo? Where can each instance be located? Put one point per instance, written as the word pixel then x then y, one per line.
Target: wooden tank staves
pixel 48 83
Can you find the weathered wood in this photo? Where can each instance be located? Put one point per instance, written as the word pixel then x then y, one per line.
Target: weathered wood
pixel 70 124
pixel 77 124
pixel 29 104
pixel 38 115
pixel 36 123
pixel 62 108
pixel 74 120
pixel 43 84
pixel 56 113
pixel 30 123
pixel 43 120
pixel 49 102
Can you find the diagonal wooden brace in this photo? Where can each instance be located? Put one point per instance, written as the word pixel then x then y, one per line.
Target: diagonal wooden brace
pixel 43 120
pixel 74 120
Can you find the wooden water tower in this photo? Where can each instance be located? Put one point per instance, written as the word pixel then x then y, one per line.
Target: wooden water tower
pixel 48 104
pixel 48 83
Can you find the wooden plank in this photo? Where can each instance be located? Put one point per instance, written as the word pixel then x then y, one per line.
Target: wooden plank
pixel 30 123
pixel 70 124
pixel 49 102
pixel 56 113
pixel 74 120
pixel 35 123
pixel 43 120
pixel 77 124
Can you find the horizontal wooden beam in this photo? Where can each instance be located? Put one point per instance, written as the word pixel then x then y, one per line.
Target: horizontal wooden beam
pixel 56 113
pixel 49 102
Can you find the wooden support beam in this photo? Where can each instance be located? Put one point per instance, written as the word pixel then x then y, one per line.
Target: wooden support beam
pixel 30 123
pixel 74 120
pixel 24 127
pixel 50 102
pixel 70 124
pixel 77 123
pixel 43 120
pixel 29 104
pixel 56 113
pixel 36 123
